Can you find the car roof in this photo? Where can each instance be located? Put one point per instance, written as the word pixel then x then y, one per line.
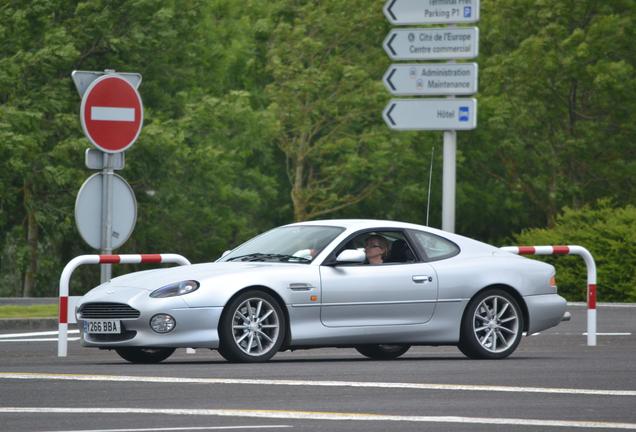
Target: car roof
pixel 465 243
pixel 357 224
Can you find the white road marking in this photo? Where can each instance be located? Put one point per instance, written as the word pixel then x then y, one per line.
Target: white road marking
pixel 307 383
pixel 45 333
pixel 339 416
pixel 112 114
pixel 183 428
pixel 37 340
pixel 610 334
pixel 609 305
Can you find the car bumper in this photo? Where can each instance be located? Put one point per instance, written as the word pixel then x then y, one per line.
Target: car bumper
pixel 544 311
pixel 195 328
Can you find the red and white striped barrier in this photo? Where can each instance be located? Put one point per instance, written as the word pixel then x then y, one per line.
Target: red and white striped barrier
pixel 62 340
pixel 591 276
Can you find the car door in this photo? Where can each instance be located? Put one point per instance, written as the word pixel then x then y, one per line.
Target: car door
pixel 378 295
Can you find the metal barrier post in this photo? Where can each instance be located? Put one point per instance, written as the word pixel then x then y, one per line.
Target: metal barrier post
pixel 62 339
pixel 591 276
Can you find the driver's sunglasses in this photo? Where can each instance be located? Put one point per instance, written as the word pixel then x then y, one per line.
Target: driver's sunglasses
pixel 374 246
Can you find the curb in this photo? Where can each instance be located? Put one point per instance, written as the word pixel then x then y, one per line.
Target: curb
pixel 28 324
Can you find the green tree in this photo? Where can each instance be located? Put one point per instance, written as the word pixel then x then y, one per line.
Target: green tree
pixel 557 111
pixel 608 233
pixel 174 44
pixel 326 62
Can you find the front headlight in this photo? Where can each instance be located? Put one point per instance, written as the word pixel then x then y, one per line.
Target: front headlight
pixel 176 289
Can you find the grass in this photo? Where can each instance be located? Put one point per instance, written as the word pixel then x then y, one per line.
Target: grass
pixel 32 311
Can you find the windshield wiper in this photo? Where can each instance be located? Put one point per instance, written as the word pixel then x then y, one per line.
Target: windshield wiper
pixel 248 257
pixel 258 256
pixel 288 258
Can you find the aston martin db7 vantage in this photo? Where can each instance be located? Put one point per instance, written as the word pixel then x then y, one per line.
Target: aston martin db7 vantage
pixel 377 286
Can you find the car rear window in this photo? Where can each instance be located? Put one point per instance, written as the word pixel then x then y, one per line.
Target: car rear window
pixel 434 246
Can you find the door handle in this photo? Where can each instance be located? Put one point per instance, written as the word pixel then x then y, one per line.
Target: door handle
pixel 422 278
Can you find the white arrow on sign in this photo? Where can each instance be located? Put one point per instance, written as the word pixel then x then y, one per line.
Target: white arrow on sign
pixel 431 114
pixel 432 43
pixel 431 79
pixel 400 12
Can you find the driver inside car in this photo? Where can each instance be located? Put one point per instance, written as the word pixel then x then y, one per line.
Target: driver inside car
pixel 376 248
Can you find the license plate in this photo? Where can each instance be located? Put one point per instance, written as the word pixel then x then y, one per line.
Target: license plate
pixel 102 326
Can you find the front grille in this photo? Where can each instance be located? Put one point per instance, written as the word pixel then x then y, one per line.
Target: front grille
pixel 107 311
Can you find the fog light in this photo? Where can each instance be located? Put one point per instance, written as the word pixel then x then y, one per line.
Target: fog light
pixel 162 323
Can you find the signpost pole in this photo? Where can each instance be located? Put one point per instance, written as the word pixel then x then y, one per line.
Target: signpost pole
pixel 107 216
pixel 449 176
pixel 449 181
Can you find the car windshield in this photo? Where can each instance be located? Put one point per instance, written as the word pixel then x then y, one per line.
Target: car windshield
pixel 297 244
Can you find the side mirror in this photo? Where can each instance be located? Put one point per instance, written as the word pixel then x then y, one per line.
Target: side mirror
pixel 351 256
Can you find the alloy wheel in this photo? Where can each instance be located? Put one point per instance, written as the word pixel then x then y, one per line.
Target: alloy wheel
pixel 496 323
pixel 255 326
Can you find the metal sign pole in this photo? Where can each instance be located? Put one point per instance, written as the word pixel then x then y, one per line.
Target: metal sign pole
pixel 107 216
pixel 449 176
pixel 449 181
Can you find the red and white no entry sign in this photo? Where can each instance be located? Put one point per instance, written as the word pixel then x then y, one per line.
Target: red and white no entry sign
pixel 112 113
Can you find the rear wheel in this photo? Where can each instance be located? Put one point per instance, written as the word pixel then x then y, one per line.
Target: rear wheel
pixel 492 326
pixel 144 355
pixel 382 351
pixel 252 328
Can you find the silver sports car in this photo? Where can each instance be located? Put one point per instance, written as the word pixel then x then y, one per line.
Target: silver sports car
pixel 377 286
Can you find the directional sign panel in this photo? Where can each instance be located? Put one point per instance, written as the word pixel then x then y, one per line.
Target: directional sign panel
pixel 431 79
pixel 431 114
pixel 111 113
pixel 432 43
pixel 400 12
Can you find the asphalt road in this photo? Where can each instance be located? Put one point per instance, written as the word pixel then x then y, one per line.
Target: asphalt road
pixel 553 382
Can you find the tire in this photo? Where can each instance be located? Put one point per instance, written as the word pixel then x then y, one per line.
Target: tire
pixel 144 355
pixel 492 326
pixel 252 328
pixel 382 352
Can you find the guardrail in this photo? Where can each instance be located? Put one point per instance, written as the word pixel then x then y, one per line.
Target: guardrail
pixel 591 276
pixel 63 314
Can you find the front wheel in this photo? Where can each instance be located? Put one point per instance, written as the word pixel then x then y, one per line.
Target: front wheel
pixel 492 326
pixel 382 352
pixel 144 355
pixel 252 328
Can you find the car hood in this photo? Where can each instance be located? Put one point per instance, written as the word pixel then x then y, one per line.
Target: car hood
pixel 150 280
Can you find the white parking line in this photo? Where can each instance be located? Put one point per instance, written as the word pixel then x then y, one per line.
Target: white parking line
pixel 306 383
pixel 26 335
pixel 33 336
pixel 37 340
pixel 608 305
pixel 610 334
pixel 339 416
pixel 183 428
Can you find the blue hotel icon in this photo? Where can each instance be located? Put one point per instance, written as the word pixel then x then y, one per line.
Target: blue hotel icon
pixel 463 113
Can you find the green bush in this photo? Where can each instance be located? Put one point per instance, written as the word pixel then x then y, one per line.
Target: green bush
pixel 609 234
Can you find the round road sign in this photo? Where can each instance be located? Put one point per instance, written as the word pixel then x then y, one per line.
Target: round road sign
pixel 111 113
pixel 88 211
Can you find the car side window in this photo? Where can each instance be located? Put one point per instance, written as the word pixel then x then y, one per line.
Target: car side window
pixel 434 246
pixel 397 248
